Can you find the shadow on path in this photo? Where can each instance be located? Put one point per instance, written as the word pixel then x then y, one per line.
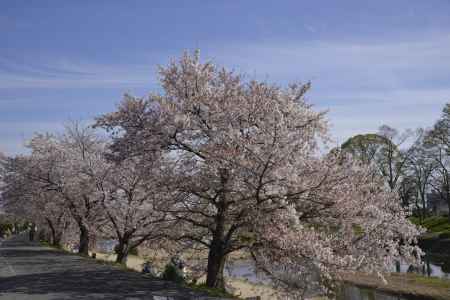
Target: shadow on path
pixel 29 271
pixel 109 284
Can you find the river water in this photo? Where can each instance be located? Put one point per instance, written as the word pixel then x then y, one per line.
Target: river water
pixel 350 292
pixel 433 266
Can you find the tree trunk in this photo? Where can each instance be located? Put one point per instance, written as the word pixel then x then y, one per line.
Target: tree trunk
pixel 84 240
pixel 32 232
pixel 397 266
pixel 55 235
pixel 217 251
pixel 424 205
pixel 447 196
pixel 122 251
pixel 57 240
pixel 448 204
pixel 216 263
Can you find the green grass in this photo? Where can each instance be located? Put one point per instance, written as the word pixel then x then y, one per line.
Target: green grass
pixel 430 236
pixel 434 224
pixel 212 292
pixel 358 230
pixel 432 281
pixel 45 244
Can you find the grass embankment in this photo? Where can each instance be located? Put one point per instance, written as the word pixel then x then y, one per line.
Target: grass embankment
pixel 410 285
pixel 436 240
pixel 437 225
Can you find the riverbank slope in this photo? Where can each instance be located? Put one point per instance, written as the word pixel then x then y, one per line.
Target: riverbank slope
pixel 437 238
pixel 404 284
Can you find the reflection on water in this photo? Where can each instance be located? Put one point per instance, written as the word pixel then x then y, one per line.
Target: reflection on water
pixel 105 246
pixel 245 270
pixel 355 293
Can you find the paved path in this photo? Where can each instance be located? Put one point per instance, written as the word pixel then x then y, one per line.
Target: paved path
pixel 31 272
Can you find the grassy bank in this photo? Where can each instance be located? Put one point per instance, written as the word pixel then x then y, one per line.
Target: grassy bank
pixel 410 285
pixel 439 225
pixel 436 240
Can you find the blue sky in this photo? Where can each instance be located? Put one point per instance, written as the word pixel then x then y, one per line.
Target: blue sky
pixel 370 62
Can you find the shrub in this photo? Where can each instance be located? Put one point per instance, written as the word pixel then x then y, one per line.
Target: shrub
pixel 6 229
pixel 134 251
pixel 172 273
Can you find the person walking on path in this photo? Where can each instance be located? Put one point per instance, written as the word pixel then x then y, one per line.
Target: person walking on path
pixel 33 230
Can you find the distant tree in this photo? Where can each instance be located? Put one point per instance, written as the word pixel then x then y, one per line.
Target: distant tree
pixel 365 147
pixel 16 190
pixel 440 133
pixel 72 166
pixel 392 160
pixel 440 177
pixel 27 199
pixel 438 139
pixel 407 191
pixel 3 162
pixel 385 151
pixel 421 168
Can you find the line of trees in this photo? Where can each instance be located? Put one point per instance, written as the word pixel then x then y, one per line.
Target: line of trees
pixel 415 164
pixel 215 164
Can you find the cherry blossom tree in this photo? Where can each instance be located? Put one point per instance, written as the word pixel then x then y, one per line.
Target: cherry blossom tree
pixel 72 167
pixel 13 187
pixel 105 195
pixel 25 198
pixel 248 175
pixel 134 205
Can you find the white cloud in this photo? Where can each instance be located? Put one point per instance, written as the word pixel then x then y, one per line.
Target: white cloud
pixel 363 84
pixel 344 65
pixel 65 73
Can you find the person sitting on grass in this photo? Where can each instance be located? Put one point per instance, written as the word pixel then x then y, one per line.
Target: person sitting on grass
pixel 147 268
